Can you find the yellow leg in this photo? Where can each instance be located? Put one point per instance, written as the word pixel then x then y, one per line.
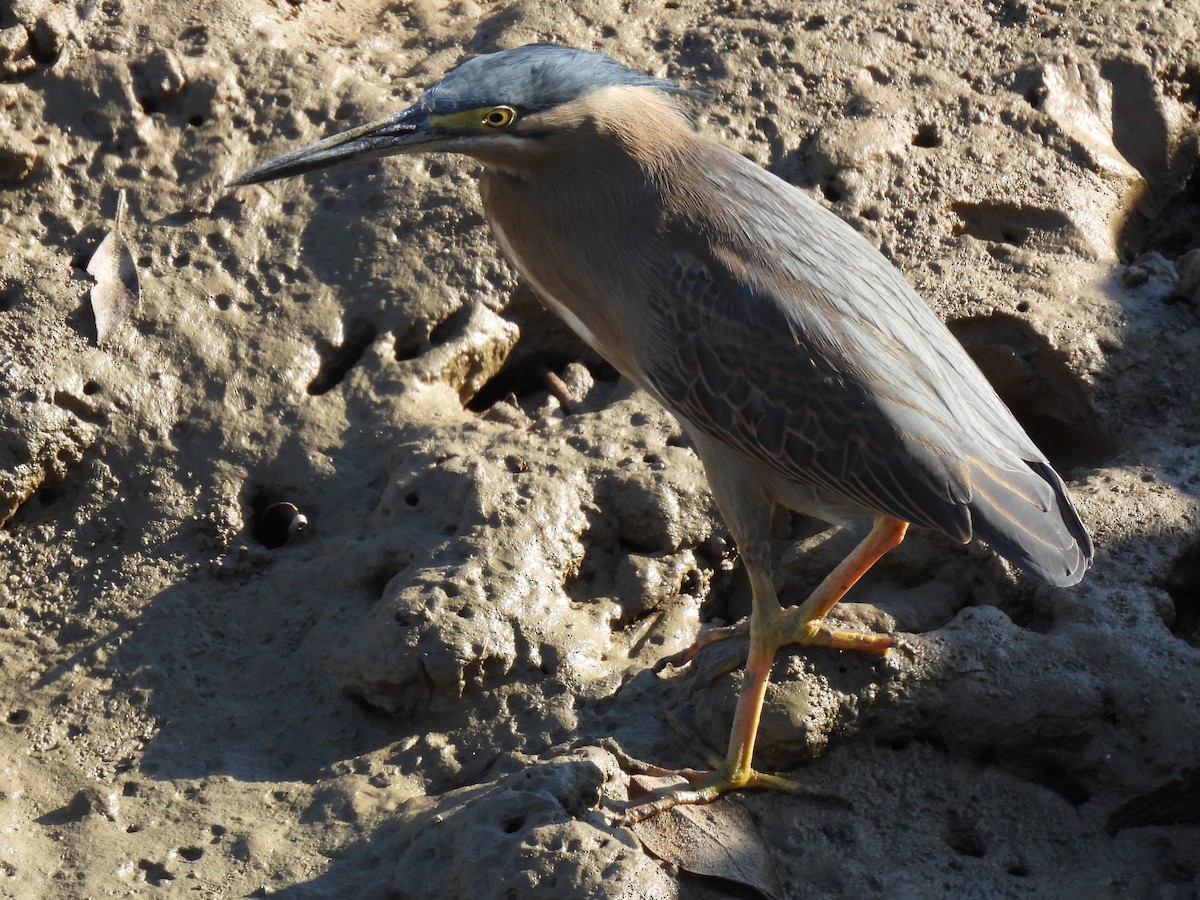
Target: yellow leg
pixel 771 628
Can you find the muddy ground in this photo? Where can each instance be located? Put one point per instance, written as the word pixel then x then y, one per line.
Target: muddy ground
pixel 411 696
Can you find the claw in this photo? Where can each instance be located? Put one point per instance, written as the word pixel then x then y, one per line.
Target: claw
pixel 708 638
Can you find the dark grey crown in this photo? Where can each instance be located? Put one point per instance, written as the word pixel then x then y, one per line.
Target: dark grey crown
pixel 531 78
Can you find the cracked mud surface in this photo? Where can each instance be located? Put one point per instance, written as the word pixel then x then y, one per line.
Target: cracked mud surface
pixel 411 697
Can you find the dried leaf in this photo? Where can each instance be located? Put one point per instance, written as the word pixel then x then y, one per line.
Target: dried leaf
pixel 116 292
pixel 1175 803
pixel 717 840
pixel 1080 99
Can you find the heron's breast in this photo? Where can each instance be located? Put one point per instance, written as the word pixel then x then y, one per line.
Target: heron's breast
pixel 571 258
pixel 559 306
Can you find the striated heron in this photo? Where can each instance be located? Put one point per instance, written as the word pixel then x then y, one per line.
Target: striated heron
pixel 807 371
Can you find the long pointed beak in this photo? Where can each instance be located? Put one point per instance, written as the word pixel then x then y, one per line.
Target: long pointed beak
pixel 403 132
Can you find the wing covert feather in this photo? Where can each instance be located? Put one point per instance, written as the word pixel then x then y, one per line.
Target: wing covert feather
pixel 835 375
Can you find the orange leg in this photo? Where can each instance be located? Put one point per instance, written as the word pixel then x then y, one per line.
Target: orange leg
pixel 805 620
pixel 771 628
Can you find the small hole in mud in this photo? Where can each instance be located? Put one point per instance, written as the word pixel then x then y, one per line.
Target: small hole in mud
pixel 18 717
pixel 195 121
pixel 512 826
pixel 43 50
pixel 410 343
pixel 1018 870
pixel 966 842
pixel 450 327
pixel 638 547
pixel 927 136
pixel 831 192
pixel 191 854
pixel 1059 780
pixel 278 524
pixel 48 496
pixel 10 295
pixel 1182 583
pixel 412 498
pixel 155 873
pixel 275 521
pixel 377 581
pixel 92 387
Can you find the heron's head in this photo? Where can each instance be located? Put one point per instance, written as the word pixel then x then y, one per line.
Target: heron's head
pixel 509 105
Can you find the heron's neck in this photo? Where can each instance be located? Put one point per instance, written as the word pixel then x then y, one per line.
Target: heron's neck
pixel 576 222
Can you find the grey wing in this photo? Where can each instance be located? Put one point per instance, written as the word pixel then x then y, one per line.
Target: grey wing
pixel 788 337
pixel 777 379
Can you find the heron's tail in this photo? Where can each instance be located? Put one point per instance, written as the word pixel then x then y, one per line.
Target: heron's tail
pixel 1028 518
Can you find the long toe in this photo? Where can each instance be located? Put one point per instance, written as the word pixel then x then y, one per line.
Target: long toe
pixel 631 765
pixel 707 639
pixel 798 627
pixel 703 790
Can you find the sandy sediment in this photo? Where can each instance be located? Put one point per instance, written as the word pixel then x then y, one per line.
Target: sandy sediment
pixel 412 694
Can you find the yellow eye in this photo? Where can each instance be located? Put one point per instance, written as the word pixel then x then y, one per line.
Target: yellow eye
pixel 499 116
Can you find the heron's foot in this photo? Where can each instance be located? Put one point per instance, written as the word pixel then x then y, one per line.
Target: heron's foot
pixel 700 787
pixel 797 626
pixel 793 626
